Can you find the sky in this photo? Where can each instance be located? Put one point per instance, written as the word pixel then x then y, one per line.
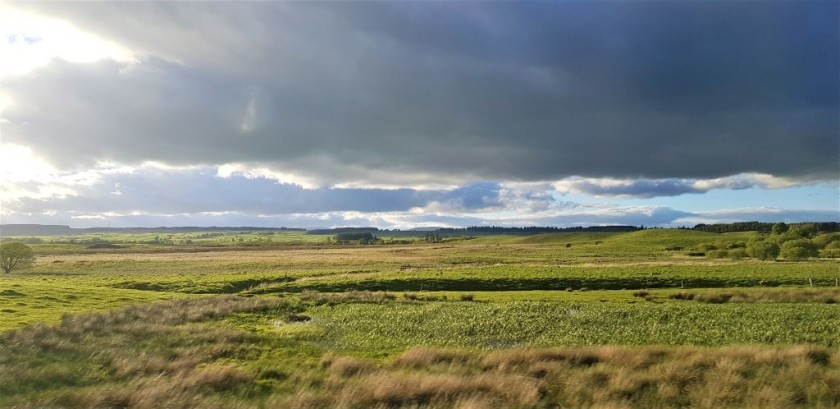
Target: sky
pixel 419 114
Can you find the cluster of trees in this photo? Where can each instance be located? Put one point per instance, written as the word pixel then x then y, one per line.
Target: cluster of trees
pixel 825 227
pixel 433 238
pixel 790 242
pixel 356 237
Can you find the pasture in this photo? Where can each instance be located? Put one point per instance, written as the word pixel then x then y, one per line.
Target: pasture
pixel 286 319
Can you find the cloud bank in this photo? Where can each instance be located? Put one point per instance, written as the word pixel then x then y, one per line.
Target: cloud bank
pixel 402 114
pixel 380 92
pixel 155 195
pixel 650 188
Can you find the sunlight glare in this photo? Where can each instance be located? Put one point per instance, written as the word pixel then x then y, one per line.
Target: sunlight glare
pixel 29 41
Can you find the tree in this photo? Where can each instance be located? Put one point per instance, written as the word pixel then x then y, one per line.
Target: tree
pixel 15 255
pixel 798 250
pixel 779 228
pixel 762 250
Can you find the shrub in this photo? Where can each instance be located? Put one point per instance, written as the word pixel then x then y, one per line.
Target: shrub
pixel 681 296
pixel 717 254
pixel 737 253
pixel 780 228
pixel 706 247
pixel 800 249
pixel 827 240
pixel 830 252
pixel 762 250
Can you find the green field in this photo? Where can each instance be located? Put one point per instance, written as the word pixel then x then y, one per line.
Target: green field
pixel 284 319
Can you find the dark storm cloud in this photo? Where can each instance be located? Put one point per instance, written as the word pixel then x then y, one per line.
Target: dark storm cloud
pixel 475 196
pixel 481 90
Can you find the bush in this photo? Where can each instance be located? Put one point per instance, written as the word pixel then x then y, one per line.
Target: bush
pixel 762 250
pixel 830 252
pixel 717 254
pixel 708 247
pixel 737 254
pixel 682 295
pixel 779 228
pixel 827 240
pixel 798 250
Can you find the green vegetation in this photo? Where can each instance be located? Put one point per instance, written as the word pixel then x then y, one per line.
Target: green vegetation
pixel 286 319
pixel 360 327
pixel 798 250
pixel 796 243
pixel 762 250
pixel 14 255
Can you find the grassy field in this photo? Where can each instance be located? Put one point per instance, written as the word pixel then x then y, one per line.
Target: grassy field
pixel 283 319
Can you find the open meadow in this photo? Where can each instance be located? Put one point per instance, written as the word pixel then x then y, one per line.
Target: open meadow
pixel 651 318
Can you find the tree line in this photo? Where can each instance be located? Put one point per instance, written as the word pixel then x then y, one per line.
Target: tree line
pixel 819 227
pixel 794 242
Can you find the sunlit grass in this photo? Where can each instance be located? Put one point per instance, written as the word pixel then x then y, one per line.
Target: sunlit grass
pixel 568 319
pixel 375 328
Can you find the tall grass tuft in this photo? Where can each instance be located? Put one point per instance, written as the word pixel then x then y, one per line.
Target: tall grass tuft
pixel 609 376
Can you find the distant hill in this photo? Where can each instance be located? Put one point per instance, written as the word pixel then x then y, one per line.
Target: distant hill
pixel 34 230
pixel 8 230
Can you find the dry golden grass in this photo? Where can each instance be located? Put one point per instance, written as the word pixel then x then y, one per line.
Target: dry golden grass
pixel 596 377
pixel 346 366
pixel 426 357
pixel 798 295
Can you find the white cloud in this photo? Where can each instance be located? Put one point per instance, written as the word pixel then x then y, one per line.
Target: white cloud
pixel 648 188
pixel 747 180
pixel 250 172
pixel 29 41
pixel 19 164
